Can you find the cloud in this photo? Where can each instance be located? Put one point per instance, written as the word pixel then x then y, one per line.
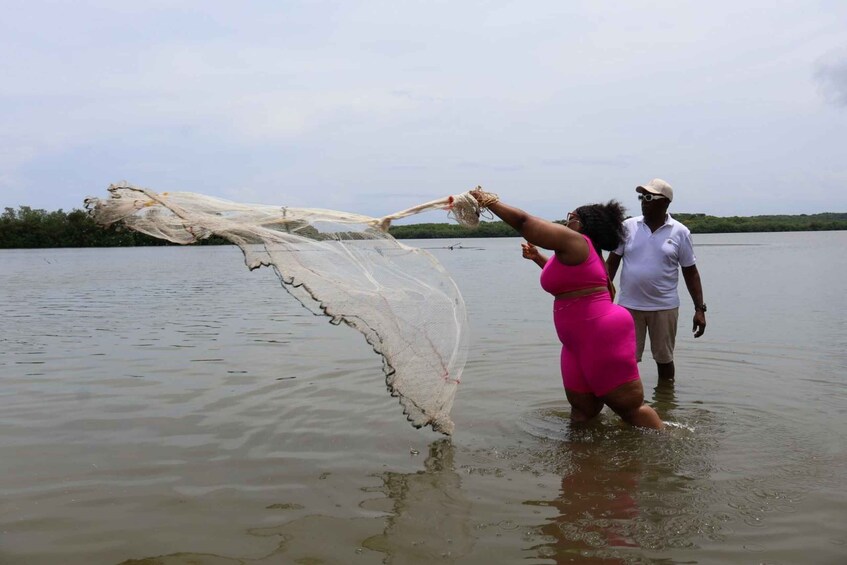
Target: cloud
pixel 490 166
pixel 346 103
pixel 831 75
pixel 618 163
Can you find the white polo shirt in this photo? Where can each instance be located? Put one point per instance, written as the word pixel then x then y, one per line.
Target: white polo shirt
pixel 650 264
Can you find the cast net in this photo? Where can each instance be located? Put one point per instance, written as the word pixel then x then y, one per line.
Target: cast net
pixel 342 265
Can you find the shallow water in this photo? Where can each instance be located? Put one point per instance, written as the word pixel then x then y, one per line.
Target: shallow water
pixel 166 405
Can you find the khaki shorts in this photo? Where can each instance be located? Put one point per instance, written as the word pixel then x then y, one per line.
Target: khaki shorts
pixel 661 325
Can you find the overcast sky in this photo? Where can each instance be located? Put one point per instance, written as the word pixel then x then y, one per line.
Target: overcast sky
pixel 375 106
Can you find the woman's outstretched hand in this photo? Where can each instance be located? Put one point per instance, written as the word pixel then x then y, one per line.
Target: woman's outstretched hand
pixel 483 198
pixel 530 251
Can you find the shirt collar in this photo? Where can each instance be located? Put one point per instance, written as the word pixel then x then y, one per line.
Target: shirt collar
pixel 668 220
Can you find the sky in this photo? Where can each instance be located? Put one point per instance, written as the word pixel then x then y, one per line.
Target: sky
pixel 375 106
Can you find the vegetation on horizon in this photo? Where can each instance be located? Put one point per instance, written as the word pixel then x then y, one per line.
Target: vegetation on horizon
pixel 697 223
pixel 28 228
pixel 35 228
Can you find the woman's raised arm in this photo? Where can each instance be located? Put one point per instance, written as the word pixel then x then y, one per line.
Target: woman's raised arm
pixel 569 245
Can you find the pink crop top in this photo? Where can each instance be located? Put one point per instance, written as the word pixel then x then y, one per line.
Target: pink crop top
pixel 558 278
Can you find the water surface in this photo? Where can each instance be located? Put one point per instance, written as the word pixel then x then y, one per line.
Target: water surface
pixel 166 405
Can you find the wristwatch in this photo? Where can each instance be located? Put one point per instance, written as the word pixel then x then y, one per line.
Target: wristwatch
pixel 701 307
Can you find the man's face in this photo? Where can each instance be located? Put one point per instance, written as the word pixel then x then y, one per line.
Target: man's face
pixel 652 204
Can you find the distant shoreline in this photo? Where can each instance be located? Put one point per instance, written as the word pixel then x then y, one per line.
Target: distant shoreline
pixel 697 223
pixel 28 228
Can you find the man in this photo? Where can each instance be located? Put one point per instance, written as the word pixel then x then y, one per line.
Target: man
pixel 656 247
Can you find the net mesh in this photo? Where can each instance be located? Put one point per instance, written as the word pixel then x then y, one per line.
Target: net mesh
pixel 341 265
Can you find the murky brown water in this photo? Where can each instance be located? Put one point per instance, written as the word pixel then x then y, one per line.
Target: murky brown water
pixel 169 406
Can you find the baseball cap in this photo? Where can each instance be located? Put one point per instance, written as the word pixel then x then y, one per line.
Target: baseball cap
pixel 657 186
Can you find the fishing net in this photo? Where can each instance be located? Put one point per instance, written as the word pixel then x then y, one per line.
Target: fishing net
pixel 342 265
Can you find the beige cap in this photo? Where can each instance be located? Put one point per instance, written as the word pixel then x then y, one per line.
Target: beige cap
pixel 657 186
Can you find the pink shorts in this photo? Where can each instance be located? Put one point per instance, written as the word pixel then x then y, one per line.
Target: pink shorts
pixel 598 343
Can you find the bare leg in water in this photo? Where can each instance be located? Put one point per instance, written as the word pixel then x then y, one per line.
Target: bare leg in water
pixel 584 405
pixel 667 371
pixel 628 402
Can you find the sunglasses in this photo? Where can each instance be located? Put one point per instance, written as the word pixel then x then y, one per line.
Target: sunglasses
pixel 650 197
pixel 572 219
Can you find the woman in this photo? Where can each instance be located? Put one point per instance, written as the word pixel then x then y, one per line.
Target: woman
pixel 598 336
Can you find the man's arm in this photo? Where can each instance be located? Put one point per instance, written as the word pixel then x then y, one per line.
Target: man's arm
pixel 612 263
pixel 695 289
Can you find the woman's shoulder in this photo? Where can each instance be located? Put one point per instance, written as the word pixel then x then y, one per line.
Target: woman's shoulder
pixel 576 255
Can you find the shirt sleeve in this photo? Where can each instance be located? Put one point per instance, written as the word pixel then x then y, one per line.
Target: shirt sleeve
pixel 686 250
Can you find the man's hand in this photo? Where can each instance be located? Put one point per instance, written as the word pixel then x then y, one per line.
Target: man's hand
pixel 699 323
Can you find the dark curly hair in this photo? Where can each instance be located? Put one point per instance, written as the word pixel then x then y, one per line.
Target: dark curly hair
pixel 603 224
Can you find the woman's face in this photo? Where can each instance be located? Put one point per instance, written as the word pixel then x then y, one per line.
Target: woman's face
pixel 574 222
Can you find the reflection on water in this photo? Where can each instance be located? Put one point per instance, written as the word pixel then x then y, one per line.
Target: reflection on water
pixel 664 399
pixel 424 516
pixel 626 493
pixel 430 516
pixel 593 506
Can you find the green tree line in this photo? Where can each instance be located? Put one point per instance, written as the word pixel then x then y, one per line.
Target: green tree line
pixel 27 228
pixel 34 228
pixel 702 223
pixel 697 223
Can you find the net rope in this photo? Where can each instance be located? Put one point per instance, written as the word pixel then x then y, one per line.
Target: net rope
pixel 342 265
